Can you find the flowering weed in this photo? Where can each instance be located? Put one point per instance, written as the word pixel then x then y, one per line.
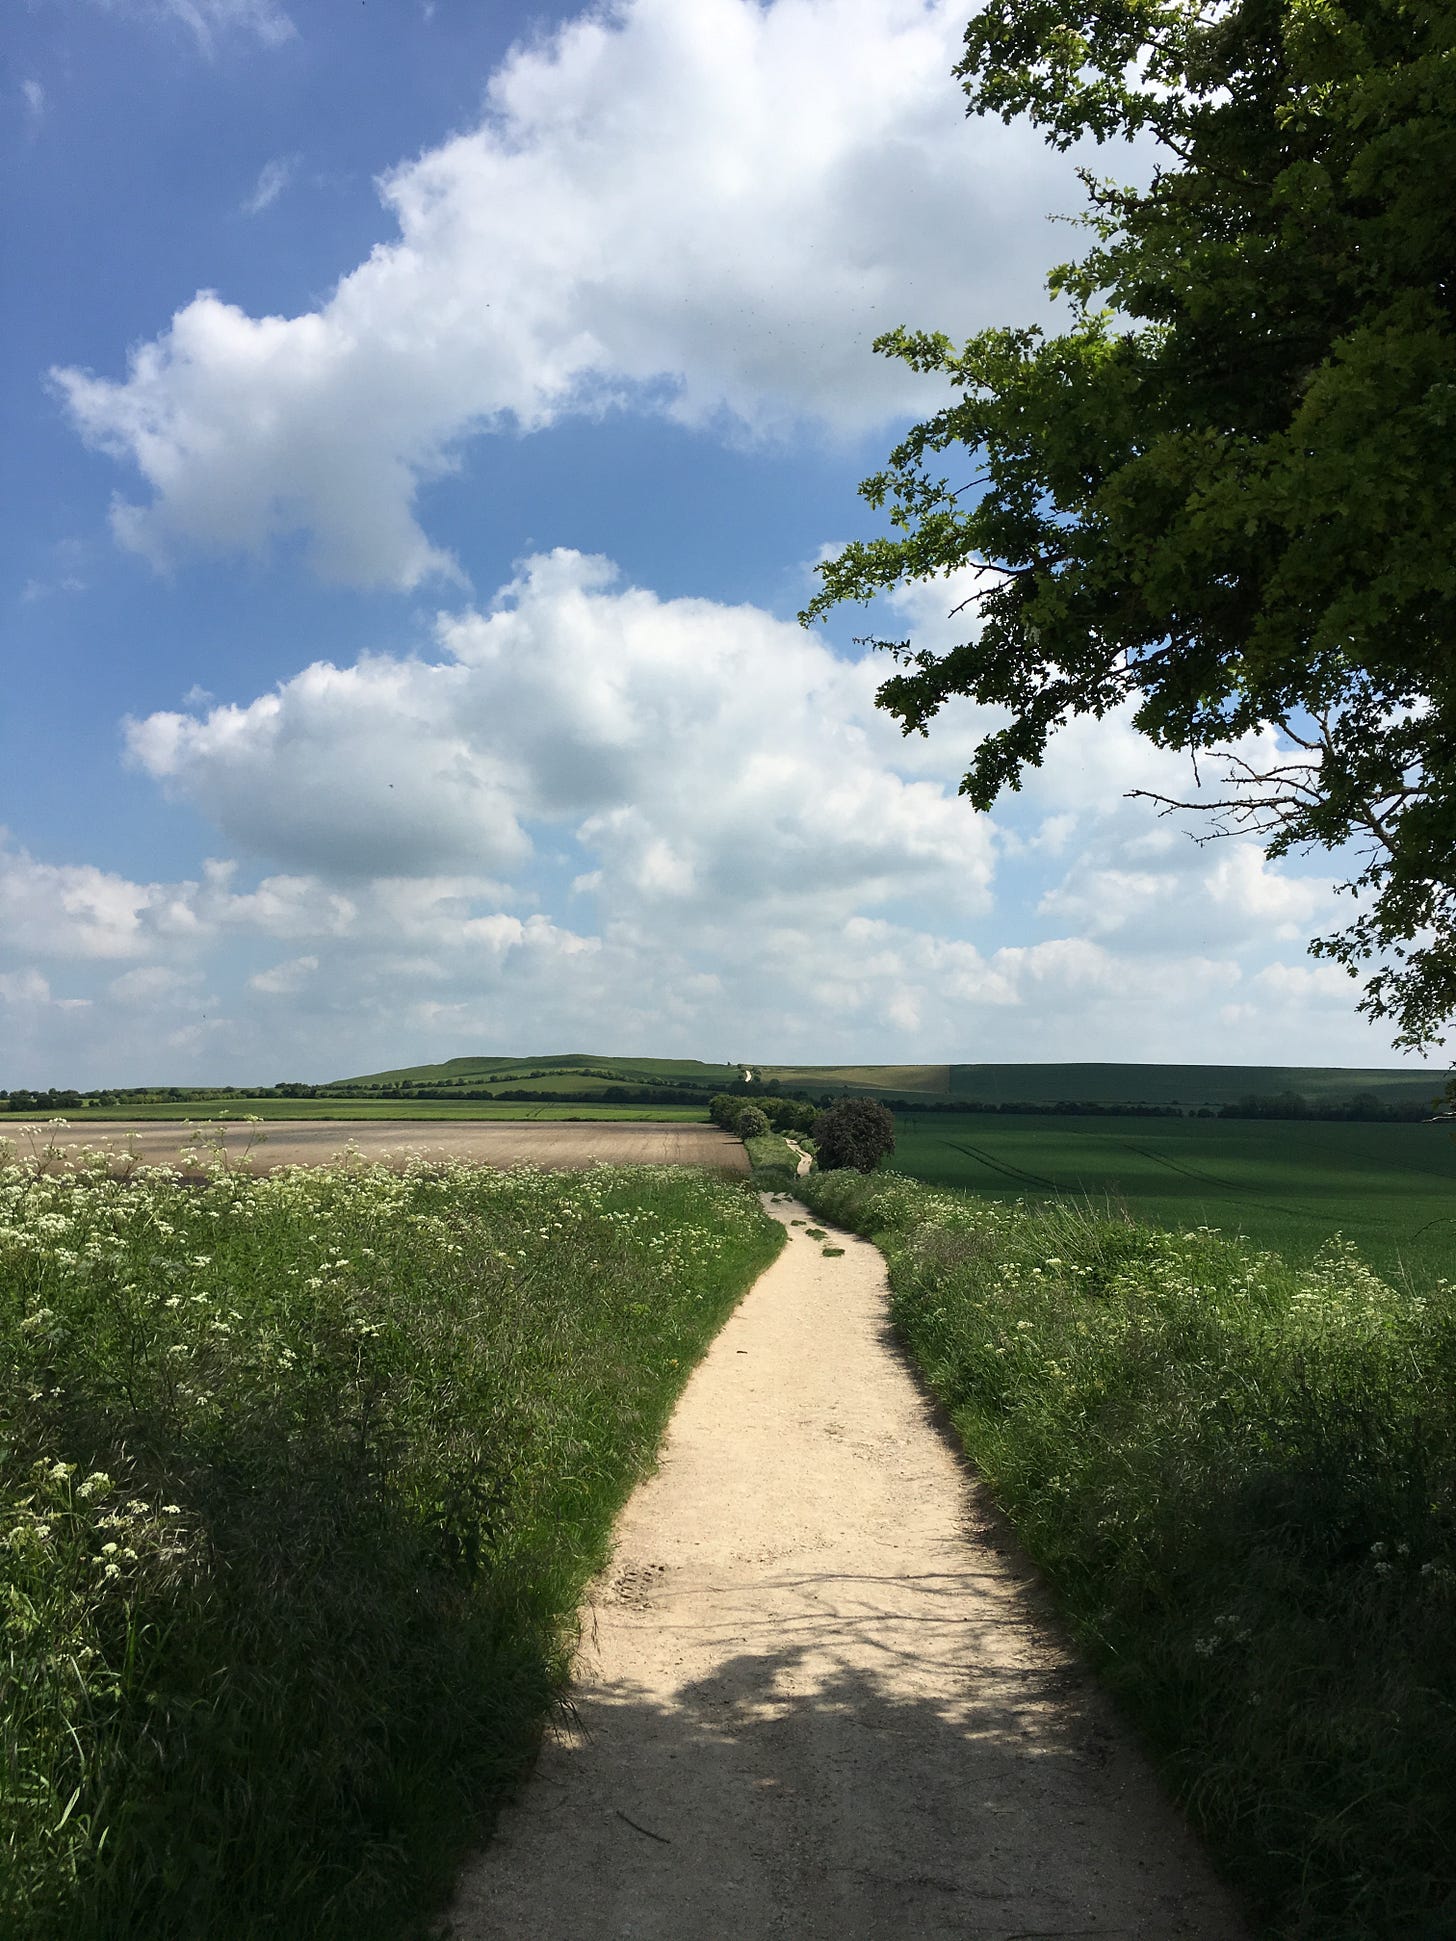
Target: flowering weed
pixel 1240 1477
pixel 301 1477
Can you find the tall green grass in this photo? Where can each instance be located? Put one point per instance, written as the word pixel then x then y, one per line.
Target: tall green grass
pixel 300 1480
pixel 1240 1478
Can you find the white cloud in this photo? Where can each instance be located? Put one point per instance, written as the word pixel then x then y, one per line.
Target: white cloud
pixel 35 99
pixel 208 21
pixel 74 911
pixel 24 987
pixel 273 178
pixel 1220 896
pixel 34 590
pixel 746 847
pixel 351 771
pixel 154 985
pixel 708 211
pixel 286 979
pixel 705 759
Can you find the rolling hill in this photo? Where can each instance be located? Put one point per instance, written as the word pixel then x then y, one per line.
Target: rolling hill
pixel 1190 1086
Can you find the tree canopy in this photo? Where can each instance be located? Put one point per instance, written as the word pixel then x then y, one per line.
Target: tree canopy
pixel 854 1132
pixel 1226 491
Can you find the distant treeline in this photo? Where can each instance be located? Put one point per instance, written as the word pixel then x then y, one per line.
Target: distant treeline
pixel 1076 1108
pixel 1364 1108
pixel 1284 1105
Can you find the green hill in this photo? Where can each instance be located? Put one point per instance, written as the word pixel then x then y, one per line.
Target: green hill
pixel 563 1071
pixel 1191 1086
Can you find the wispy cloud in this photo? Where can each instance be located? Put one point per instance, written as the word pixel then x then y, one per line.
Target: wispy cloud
pixel 273 178
pixel 34 590
pixel 35 99
pixel 207 20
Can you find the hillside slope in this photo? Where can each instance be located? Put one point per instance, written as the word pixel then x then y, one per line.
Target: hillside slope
pixel 1108 1084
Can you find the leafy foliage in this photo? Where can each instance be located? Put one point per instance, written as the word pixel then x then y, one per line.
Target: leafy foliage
pixel 855 1132
pixel 1225 493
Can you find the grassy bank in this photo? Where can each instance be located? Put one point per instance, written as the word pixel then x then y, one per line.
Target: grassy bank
pixel 771 1152
pixel 1239 1476
pixel 300 1480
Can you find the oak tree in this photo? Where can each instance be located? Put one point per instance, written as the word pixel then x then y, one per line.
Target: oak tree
pixel 1225 492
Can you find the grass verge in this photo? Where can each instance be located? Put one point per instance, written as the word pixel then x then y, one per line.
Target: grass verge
pixel 1240 1478
pixel 301 1477
pixel 770 1152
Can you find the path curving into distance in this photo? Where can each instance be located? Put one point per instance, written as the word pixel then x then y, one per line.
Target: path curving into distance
pixel 818 1694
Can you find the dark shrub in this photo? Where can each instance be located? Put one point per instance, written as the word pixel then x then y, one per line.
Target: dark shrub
pixel 855 1132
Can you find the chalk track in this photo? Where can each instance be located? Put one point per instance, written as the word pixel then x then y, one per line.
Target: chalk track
pixel 819 1695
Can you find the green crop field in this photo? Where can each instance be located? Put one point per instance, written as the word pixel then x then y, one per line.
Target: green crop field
pixel 1185 1085
pixel 199 1111
pixel 1284 1185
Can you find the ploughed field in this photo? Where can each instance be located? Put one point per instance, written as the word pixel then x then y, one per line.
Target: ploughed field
pixel 552 1144
pixel 1284 1185
pixel 265 1106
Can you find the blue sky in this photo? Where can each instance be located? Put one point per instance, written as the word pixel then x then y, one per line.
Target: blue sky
pixel 421 422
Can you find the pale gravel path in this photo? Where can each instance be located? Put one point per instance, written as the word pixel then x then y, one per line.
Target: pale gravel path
pixel 817 1697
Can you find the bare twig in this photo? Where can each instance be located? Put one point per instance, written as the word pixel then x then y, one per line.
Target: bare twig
pixel 642 1829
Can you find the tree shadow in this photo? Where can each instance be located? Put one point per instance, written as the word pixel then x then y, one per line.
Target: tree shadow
pixel 822 1784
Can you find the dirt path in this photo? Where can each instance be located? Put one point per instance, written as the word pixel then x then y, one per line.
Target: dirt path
pixel 817 1697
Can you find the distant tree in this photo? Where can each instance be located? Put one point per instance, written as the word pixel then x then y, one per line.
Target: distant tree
pixel 752 1123
pixel 855 1132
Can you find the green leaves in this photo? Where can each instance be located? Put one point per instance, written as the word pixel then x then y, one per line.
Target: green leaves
pixel 1225 492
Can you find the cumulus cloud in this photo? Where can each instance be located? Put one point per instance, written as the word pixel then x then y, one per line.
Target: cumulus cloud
pixel 430 968
pixel 73 910
pixel 702 758
pixel 707 211
pixel 1221 898
pixel 286 979
pixel 591 816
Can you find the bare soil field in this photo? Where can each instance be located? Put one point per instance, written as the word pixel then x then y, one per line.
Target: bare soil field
pixel 489 1142
pixel 820 1696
